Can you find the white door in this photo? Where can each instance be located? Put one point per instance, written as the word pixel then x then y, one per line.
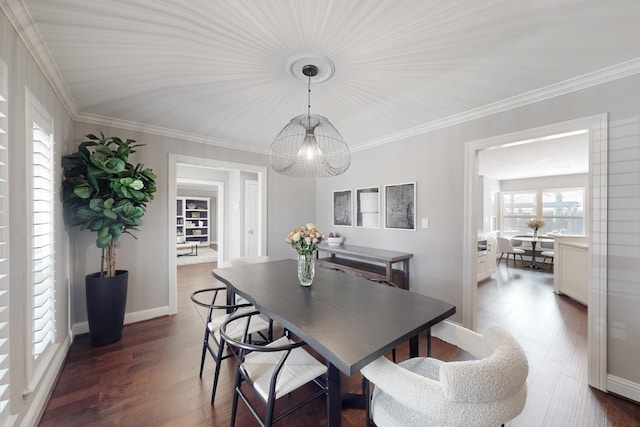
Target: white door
pixel 251 226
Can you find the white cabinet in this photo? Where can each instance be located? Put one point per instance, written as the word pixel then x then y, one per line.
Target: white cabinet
pixel 570 270
pixel 487 263
pixel 192 220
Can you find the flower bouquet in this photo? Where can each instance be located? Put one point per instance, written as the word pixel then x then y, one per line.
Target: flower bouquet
pixel 535 224
pixel 305 241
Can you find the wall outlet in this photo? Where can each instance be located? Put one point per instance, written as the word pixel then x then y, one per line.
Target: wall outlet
pixel 425 222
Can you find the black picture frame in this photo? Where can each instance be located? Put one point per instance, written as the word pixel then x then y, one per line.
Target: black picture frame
pixel 400 206
pixel 342 208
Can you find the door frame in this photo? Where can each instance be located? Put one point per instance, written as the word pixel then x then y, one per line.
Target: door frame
pixel 173 161
pixel 247 184
pixel 220 203
pixel 597 127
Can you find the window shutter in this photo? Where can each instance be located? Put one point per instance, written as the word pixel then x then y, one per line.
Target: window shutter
pixel 4 251
pixel 42 241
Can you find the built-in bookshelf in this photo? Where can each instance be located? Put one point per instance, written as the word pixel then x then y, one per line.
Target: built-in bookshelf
pixel 192 220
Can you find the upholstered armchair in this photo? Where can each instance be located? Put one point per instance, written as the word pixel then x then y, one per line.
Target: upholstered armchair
pixel 424 391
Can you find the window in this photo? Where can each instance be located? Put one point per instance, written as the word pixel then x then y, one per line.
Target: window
pixel 42 239
pixel 4 251
pixel 562 211
pixel 517 209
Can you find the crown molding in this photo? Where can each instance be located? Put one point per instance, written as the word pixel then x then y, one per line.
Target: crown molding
pixel 165 132
pixel 585 81
pixel 18 15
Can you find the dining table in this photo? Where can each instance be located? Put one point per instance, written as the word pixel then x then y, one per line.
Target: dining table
pixel 348 320
pixel 534 241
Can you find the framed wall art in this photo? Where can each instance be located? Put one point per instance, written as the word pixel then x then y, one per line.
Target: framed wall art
pixel 368 207
pixel 343 208
pixel 400 206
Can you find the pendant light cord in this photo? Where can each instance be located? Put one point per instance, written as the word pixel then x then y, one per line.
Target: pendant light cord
pixel 309 100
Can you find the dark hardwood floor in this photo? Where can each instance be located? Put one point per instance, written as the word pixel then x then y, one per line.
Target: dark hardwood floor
pixel 150 377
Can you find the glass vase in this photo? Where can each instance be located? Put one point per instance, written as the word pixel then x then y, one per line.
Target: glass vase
pixel 306 269
pixel 535 232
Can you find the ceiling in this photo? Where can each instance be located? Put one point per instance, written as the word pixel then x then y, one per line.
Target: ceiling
pixel 217 70
pixel 549 156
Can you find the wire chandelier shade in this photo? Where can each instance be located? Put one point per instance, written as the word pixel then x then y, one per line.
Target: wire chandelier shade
pixel 309 145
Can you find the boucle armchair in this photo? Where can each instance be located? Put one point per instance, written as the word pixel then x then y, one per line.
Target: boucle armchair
pixel 423 391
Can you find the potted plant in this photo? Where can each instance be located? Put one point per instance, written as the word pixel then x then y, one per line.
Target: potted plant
pixel 335 239
pixel 104 193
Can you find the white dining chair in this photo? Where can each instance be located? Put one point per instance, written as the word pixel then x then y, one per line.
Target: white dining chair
pixel 426 392
pixel 504 247
pixel 547 252
pixel 272 371
pixel 212 342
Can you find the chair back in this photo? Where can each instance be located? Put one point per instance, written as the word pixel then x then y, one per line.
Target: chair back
pixel 500 373
pixel 211 294
pixel 547 245
pixel 504 245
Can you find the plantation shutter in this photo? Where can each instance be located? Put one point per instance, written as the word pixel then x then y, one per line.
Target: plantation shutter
pixel 4 251
pixel 42 240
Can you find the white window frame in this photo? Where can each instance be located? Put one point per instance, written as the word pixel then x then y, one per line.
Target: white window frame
pixel 37 366
pixel 539 206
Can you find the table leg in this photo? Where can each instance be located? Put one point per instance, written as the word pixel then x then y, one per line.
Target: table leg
pixel 334 397
pixel 405 268
pixel 389 272
pixel 413 347
pixel 533 264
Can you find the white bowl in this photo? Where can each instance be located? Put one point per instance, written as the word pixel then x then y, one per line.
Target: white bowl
pixel 335 241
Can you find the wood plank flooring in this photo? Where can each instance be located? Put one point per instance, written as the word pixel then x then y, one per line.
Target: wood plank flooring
pixel 150 377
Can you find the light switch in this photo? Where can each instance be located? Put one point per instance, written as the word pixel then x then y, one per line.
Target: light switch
pixel 425 222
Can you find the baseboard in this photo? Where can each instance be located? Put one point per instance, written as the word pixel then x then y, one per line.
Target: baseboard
pixel 138 316
pixel 623 387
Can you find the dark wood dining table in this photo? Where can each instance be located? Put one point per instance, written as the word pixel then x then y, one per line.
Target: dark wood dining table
pixel 348 320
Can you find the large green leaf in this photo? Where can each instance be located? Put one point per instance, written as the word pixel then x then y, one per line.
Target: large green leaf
pixel 102 242
pixel 109 214
pixel 83 191
pixel 96 204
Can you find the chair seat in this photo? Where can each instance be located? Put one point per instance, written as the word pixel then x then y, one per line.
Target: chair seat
pixel 236 328
pixel 548 253
pixel 299 369
pixel 517 251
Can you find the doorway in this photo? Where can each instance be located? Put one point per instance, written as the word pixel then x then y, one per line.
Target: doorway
pixel 596 127
pixel 227 198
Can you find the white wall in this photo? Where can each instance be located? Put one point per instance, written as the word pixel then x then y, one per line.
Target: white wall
pixel 435 161
pixel 489 212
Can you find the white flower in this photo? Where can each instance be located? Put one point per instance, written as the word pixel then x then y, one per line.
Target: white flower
pixel 296 237
pixel 311 226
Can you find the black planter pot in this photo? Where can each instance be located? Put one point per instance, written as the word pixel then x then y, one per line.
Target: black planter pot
pixel 106 301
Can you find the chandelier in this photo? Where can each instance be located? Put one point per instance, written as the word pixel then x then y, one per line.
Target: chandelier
pixel 309 145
